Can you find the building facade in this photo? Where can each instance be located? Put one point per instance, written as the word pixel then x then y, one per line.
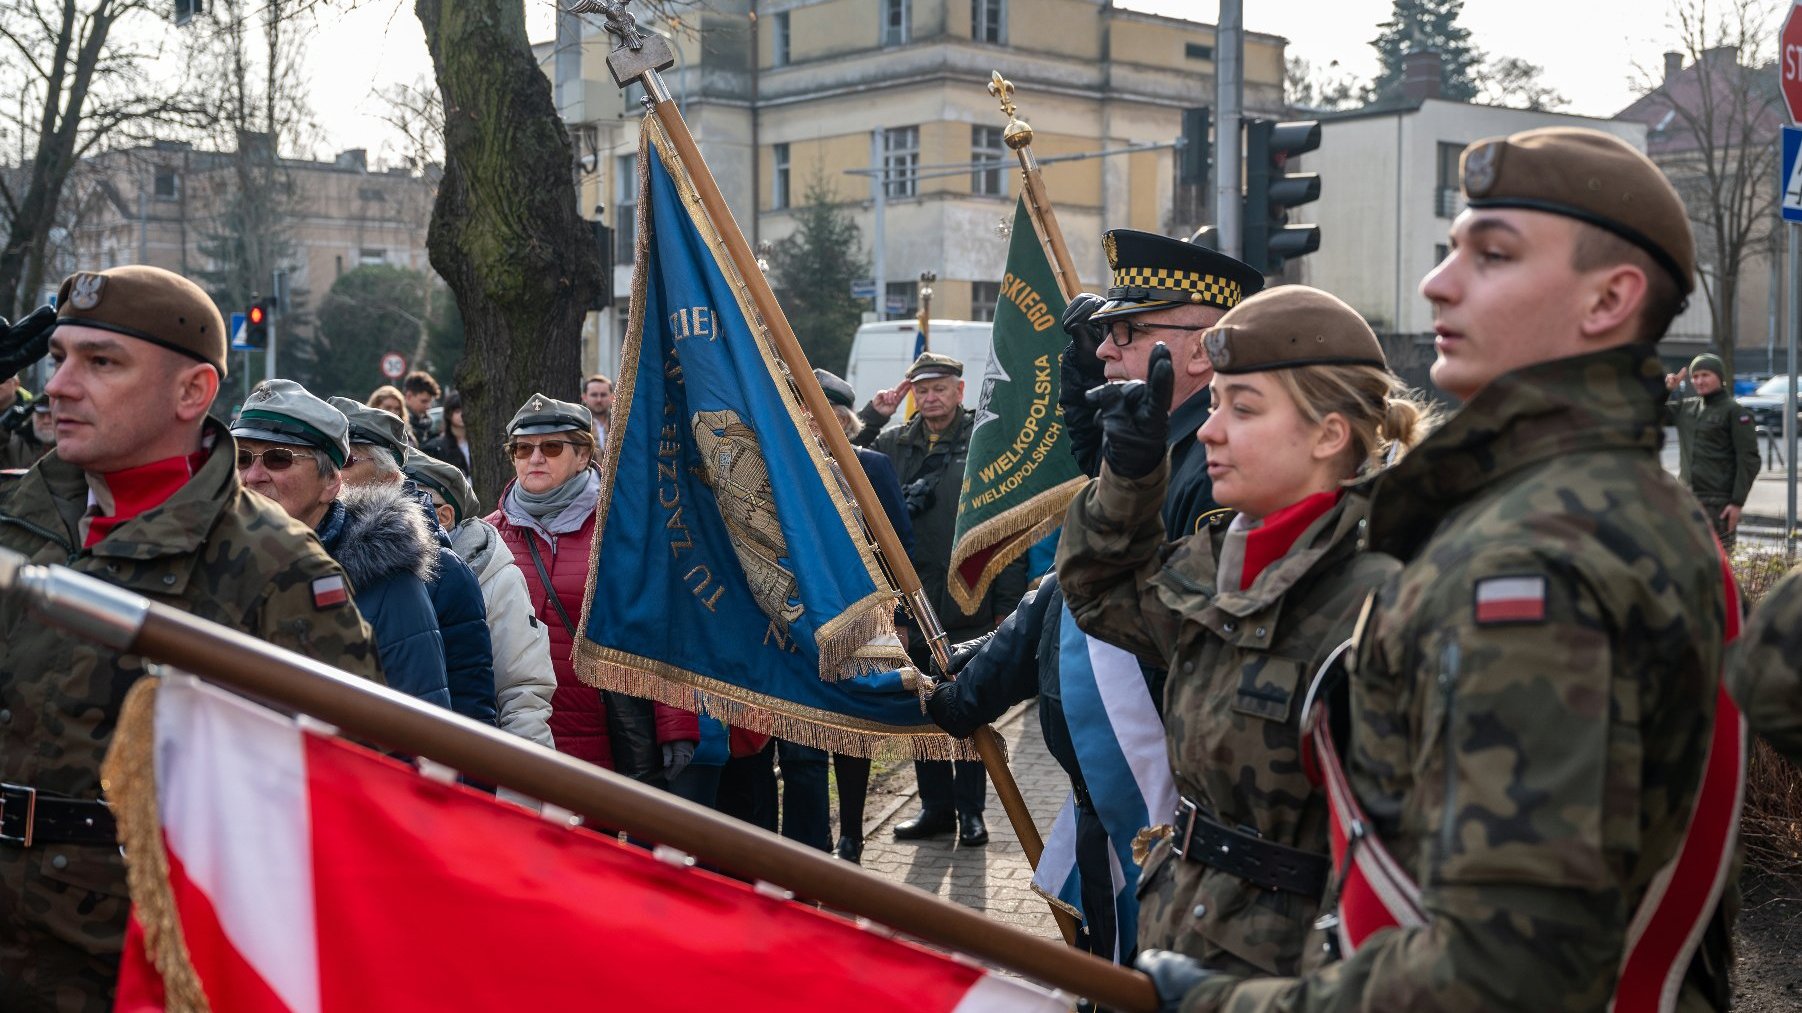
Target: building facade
pixel 858 96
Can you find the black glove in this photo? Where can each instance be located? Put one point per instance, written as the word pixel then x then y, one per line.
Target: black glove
pixel 1080 372
pixel 26 341
pixel 1173 975
pixel 1135 417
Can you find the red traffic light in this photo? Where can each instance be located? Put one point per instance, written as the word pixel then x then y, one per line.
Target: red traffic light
pixel 256 313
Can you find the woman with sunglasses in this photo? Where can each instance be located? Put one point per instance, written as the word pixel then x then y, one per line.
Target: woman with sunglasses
pixel 1303 406
pixel 546 517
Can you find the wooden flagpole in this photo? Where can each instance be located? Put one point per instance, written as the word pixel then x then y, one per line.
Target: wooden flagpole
pixel 639 58
pixel 1018 136
pixel 125 622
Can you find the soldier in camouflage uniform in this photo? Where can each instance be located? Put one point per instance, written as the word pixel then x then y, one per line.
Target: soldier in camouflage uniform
pixel 1532 697
pixel 1236 613
pixel 1764 673
pixel 142 492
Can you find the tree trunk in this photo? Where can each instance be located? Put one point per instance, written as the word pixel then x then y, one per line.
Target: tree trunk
pixel 505 233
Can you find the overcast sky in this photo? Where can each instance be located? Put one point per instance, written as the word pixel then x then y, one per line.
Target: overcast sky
pixel 1588 48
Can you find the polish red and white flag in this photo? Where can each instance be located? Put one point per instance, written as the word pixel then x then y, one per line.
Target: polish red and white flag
pixel 306 874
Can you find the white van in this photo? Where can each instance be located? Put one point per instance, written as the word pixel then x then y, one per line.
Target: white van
pixel 882 351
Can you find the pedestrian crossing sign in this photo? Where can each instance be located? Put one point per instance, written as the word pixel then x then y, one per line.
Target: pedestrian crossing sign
pixel 1792 175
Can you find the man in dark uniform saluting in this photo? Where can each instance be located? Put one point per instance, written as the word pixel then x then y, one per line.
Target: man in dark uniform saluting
pixel 1164 290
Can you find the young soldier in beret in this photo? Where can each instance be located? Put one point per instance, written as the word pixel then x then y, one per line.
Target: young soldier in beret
pixel 1531 700
pixel 1304 404
pixel 141 492
pixel 1717 444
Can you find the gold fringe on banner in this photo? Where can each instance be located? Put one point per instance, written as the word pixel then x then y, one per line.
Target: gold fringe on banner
pixel 128 779
pixel 1036 518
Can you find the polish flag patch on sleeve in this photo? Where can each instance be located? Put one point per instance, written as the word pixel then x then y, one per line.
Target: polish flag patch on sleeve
pixel 1510 600
pixel 328 592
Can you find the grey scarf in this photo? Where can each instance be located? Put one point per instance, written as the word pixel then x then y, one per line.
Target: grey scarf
pixel 558 510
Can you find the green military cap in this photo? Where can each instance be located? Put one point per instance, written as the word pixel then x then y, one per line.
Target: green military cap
pixel 1291 326
pixel 374 427
pixel 1590 176
pixel 1710 362
pixel 543 414
pixel 932 365
pixel 282 411
pixel 444 479
pixel 1151 272
pixel 147 303
pixel 835 388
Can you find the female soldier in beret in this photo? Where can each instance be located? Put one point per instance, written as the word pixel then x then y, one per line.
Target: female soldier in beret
pixel 1303 405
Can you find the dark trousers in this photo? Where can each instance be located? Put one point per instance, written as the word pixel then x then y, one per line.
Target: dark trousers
pixel 945 786
pixel 698 783
pixel 853 774
pixel 747 791
pixel 1713 510
pixel 1095 871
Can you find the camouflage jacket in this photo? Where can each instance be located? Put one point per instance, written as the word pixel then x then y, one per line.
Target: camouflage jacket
pixel 1239 664
pixel 1717 447
pixel 213 549
pixel 1764 672
pixel 1531 765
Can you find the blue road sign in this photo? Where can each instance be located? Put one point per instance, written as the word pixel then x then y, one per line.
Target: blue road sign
pixel 236 330
pixel 863 289
pixel 1791 182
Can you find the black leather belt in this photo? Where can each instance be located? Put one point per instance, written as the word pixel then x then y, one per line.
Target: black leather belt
pixel 1201 838
pixel 29 817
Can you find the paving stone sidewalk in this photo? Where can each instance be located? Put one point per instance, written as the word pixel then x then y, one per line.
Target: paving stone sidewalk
pixel 994 879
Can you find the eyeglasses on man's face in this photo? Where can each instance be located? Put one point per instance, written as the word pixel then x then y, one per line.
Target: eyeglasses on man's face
pixel 1125 332
pixel 274 459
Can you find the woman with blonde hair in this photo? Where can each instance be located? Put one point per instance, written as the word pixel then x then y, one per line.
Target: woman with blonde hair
pixel 387 398
pixel 1239 612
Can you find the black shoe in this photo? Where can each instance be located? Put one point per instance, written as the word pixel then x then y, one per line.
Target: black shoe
pixel 850 849
pixel 925 824
pixel 972 832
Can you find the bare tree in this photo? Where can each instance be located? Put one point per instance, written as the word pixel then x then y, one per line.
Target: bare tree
pixel 1513 82
pixel 80 72
pixel 1713 128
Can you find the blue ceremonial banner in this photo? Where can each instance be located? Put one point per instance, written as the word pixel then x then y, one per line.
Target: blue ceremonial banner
pixel 732 572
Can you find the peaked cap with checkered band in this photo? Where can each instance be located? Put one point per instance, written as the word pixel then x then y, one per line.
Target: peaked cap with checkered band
pixel 1151 272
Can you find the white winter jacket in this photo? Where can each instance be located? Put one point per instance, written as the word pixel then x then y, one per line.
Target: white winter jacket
pixel 523 677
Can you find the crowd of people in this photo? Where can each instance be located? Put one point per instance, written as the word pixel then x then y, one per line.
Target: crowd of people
pixel 1499 631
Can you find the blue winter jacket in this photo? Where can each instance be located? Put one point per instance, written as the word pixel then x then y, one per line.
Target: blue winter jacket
pixel 380 538
pixel 463 622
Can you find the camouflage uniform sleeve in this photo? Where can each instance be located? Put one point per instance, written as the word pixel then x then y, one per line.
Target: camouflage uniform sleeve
pixel 1526 777
pixel 335 633
pixel 1111 547
pixel 1745 453
pixel 1764 668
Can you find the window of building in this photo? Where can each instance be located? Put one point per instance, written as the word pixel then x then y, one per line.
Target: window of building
pixel 625 208
pixel 988 20
pixel 1448 199
pixel 779 177
pixel 901 302
pixel 896 22
pixel 1197 51
pixel 986 147
pixel 779 40
pixel 370 193
pixel 984 295
pixel 370 255
pixel 1440 252
pixel 168 183
pixel 901 161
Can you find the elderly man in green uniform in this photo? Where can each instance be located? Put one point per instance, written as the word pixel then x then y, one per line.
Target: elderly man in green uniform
pixel 1531 700
pixel 928 453
pixel 141 492
pixel 1717 444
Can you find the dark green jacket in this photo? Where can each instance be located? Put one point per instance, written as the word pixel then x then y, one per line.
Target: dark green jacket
pixel 1717 447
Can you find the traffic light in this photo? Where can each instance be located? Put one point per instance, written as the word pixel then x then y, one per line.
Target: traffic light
pixel 1192 162
pixel 1270 192
pixel 256 323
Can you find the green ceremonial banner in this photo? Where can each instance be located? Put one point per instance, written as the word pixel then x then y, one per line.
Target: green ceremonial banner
pixel 1019 476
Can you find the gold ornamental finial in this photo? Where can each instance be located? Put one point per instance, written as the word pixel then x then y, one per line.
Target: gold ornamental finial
pixel 1018 133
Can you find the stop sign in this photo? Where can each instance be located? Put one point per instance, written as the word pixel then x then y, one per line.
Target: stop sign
pixel 1791 41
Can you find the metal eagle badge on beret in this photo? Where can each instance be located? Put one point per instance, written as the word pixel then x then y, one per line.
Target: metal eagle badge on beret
pixel 1480 166
pixel 85 290
pixel 1214 341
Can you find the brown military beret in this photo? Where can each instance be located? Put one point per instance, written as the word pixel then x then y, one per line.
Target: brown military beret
pixel 149 303
pixel 932 365
pixel 1590 176
pixel 1291 326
